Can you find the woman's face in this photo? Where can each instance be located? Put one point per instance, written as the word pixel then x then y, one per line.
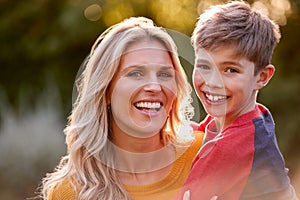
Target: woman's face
pixel 143 90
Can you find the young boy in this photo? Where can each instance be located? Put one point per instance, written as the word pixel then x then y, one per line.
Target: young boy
pixel 240 158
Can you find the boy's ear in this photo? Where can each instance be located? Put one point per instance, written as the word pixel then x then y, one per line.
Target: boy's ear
pixel 264 76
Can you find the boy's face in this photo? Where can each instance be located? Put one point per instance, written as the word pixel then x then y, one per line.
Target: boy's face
pixel 225 83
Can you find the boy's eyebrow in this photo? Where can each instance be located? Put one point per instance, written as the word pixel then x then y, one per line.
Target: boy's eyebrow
pixel 232 63
pixel 201 60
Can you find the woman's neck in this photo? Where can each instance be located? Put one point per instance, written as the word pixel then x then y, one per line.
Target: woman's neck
pixel 140 161
pixel 145 160
pixel 137 145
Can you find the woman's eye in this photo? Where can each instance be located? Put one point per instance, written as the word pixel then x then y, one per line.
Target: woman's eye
pixel 165 74
pixel 134 74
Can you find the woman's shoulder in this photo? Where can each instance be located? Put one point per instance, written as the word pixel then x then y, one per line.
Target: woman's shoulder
pixel 64 190
pixel 195 146
pixel 199 136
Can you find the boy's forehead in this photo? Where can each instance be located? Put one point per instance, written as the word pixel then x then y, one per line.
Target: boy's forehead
pixel 223 56
pixel 229 52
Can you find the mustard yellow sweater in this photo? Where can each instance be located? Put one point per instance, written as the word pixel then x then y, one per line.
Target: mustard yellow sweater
pixel 164 189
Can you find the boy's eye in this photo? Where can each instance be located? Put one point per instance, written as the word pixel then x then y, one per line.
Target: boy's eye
pixel 200 66
pixel 231 70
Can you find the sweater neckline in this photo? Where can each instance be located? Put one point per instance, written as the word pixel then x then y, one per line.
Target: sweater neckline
pixel 164 182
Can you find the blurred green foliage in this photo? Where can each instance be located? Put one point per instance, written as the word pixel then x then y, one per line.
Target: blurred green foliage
pixel 43 44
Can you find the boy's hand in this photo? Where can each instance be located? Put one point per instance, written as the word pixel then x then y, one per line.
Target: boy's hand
pixel 187 196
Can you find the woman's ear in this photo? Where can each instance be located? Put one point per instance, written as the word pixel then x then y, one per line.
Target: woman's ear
pixel 108 99
pixel 264 76
pixel 108 94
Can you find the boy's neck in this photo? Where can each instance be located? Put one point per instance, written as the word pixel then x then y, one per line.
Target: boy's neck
pixel 223 122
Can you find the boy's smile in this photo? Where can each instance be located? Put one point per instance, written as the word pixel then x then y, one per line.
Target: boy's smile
pixel 215 98
pixel 225 83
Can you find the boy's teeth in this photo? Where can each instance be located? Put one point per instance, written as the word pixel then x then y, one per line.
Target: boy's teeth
pixel 215 98
pixel 149 105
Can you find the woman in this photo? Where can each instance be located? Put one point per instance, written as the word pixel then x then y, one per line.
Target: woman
pixel 126 137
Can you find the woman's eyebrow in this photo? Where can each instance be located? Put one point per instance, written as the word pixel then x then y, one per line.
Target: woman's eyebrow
pixel 167 67
pixel 129 67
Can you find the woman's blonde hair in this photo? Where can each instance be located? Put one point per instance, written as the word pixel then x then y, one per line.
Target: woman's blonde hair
pixel 87 133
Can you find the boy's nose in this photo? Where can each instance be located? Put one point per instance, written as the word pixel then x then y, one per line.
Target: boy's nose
pixel 214 79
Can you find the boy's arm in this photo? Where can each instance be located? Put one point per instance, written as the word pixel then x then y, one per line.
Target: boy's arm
pixel 269 176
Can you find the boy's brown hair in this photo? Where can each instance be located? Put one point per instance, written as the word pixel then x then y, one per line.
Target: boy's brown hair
pixel 254 34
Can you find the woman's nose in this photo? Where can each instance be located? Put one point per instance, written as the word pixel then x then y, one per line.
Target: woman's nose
pixel 152 87
pixel 152 84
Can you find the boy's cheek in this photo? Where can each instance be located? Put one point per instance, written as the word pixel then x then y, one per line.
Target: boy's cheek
pixel 197 78
pixel 197 82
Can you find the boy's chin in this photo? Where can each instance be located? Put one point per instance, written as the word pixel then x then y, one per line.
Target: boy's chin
pixel 218 112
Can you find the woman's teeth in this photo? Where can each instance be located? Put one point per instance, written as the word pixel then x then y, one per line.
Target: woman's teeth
pixel 148 105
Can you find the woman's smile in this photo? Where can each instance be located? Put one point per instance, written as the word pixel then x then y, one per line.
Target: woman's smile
pixel 148 106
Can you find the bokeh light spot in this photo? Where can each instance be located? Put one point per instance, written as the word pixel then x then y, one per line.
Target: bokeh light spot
pixel 93 12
